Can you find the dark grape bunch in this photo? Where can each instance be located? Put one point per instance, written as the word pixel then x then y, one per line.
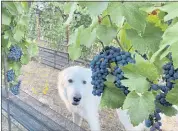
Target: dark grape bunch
pixel 15 53
pixel 10 75
pixel 170 74
pixel 153 122
pixel 15 88
pixel 100 66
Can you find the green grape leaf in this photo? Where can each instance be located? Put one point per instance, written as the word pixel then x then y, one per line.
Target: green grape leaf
pixel 168 111
pixel 96 8
pixel 87 37
pixel 18 35
pixel 19 7
pixel 157 60
pixel 75 37
pixel 170 35
pixel 135 82
pixel 171 9
pixel 72 9
pixel 172 95
pixel 141 68
pixel 135 18
pixel 25 59
pixel 24 20
pixel 74 51
pixel 148 41
pixel 4 42
pixel 144 104
pixel 11 7
pixel 33 49
pixel 174 49
pixel 15 66
pixel 115 11
pixel 158 53
pixel 126 43
pixel 6 18
pixel 112 97
pixel 106 34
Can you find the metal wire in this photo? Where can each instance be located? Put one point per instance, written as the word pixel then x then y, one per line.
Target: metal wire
pixel 7 91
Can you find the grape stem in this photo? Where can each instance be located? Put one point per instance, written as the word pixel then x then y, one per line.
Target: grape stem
pixel 119 43
pixel 130 48
pixel 101 44
pixel 117 33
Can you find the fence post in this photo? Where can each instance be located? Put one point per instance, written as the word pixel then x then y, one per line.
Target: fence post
pixel 7 90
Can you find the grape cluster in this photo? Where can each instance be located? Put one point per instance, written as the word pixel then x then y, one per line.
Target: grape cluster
pixel 100 66
pixel 170 74
pixel 154 121
pixel 10 75
pixel 15 53
pixel 15 88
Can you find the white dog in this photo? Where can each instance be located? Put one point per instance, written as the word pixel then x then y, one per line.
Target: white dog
pixel 75 89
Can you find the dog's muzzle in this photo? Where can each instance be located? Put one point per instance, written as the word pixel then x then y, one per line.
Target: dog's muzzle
pixel 76 100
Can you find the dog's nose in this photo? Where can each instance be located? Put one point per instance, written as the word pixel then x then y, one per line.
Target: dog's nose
pixel 77 98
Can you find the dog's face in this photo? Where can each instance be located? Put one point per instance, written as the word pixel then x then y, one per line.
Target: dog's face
pixel 74 84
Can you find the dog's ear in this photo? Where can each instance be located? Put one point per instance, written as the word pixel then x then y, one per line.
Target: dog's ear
pixel 60 79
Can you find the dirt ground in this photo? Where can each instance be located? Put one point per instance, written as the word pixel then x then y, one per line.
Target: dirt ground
pixel 40 81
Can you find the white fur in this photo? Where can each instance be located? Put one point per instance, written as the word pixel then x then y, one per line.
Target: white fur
pixel 89 104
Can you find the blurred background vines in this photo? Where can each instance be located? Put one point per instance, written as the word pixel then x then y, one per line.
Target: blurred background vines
pixel 46 26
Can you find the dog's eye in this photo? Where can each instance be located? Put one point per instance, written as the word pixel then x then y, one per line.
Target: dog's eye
pixel 70 80
pixel 84 82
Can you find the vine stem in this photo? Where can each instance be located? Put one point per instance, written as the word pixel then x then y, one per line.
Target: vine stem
pixel 117 40
pixel 119 43
pixel 102 44
pixel 130 48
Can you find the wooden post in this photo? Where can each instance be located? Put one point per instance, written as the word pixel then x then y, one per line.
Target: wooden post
pixel 38 25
